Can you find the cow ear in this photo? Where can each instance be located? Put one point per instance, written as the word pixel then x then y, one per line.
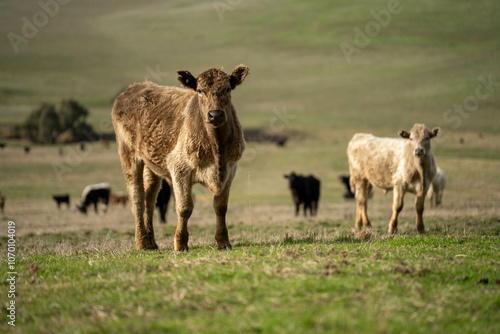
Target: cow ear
pixel 434 132
pixel 404 134
pixel 187 79
pixel 238 75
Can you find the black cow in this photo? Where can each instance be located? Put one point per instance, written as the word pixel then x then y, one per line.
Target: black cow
pixel 305 189
pixel 345 180
pixel 162 200
pixel 94 193
pixel 61 199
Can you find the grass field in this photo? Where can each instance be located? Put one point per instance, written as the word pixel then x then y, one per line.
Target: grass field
pixel 434 62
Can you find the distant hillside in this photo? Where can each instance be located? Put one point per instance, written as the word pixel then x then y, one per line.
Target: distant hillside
pixel 342 64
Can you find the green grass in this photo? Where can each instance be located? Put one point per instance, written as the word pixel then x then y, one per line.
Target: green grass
pixel 295 282
pixel 285 274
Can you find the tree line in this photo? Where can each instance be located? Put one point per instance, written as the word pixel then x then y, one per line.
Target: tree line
pixel 50 124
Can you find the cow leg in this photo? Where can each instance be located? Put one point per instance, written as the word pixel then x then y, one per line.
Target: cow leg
pixel 106 203
pixel 439 196
pixel 135 187
pixel 297 208
pixel 309 206
pixel 220 208
pixel 359 205
pixel 362 190
pixel 397 206
pixel 184 206
pixel 419 207
pixel 152 184
pixel 95 206
pixel 436 196
pixel 163 213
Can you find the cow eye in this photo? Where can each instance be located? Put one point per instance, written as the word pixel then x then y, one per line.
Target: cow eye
pixel 200 93
pixel 228 91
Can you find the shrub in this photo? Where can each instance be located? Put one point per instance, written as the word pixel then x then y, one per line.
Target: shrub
pixel 46 123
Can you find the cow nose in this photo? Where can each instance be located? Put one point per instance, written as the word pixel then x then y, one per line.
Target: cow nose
pixel 216 117
pixel 419 152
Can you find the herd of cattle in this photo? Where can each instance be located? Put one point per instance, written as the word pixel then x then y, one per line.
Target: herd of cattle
pixel 305 191
pixel 101 193
pixel 192 135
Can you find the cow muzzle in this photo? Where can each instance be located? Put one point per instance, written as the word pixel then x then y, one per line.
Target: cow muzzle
pixel 419 152
pixel 216 117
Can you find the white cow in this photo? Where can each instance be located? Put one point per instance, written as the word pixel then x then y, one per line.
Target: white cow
pixel 435 193
pixel 400 164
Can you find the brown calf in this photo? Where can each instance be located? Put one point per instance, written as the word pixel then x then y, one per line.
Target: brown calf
pixel 186 135
pixel 115 199
pixel 402 165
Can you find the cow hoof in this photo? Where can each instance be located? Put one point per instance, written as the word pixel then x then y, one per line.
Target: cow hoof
pixel 226 246
pixel 178 247
pixel 181 249
pixel 147 247
pixel 421 231
pixel 146 244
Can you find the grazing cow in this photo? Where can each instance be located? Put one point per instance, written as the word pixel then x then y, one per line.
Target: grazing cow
pixel 186 135
pixel 27 149
pixel 305 189
pixel 118 199
pixel 435 193
pixel 61 199
pixel 345 181
pixel 162 200
pixel 2 203
pixel 402 165
pixel 2 145
pixel 94 193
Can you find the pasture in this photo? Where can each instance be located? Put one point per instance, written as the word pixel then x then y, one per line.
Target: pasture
pixel 286 274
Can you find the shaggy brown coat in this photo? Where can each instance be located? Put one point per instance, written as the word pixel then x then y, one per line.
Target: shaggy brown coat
pixel 186 135
pixel 402 165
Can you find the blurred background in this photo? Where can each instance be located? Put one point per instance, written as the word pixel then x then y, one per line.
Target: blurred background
pixel 320 71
